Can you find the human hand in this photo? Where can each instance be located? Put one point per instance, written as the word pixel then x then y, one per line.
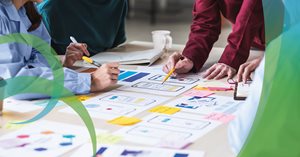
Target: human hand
pixel 180 62
pixel 247 68
pixel 74 52
pixel 219 71
pixel 105 76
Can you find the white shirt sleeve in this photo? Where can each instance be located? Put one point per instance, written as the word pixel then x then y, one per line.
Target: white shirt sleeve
pixel 239 128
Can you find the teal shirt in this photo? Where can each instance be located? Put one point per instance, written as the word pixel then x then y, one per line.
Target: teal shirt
pixel 99 23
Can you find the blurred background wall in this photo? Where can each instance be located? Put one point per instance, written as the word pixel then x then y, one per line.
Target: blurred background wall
pixel 174 15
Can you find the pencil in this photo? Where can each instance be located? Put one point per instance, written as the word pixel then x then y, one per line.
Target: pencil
pixel 171 72
pixel 168 76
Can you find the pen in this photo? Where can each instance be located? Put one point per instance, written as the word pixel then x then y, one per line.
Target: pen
pixel 87 59
pixel 75 42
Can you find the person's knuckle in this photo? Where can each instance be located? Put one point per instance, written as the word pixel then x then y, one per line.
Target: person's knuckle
pixel 224 70
pixel 247 69
pixel 105 66
pixel 106 70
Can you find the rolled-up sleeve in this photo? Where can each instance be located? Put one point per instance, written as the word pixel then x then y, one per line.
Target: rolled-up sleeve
pixel 77 83
pixel 248 23
pixel 21 60
pixel 205 31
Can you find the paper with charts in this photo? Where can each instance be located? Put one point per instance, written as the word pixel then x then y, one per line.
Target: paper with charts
pixel 205 105
pixel 172 131
pixel 147 82
pixel 115 103
pixel 131 151
pixel 43 138
pixel 24 106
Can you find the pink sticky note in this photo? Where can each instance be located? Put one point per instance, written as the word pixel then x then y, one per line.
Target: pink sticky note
pixel 218 89
pixel 198 93
pixel 224 118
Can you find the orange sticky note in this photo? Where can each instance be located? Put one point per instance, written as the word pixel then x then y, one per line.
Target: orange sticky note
pixel 165 110
pixel 200 88
pixel 212 88
pixel 125 121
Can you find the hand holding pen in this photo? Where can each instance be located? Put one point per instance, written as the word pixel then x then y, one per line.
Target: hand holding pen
pixel 75 51
pixel 105 75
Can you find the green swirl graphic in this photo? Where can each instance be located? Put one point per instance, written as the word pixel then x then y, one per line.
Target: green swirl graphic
pixel 53 88
pixel 276 130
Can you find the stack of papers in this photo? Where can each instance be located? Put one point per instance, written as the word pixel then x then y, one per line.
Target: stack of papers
pixel 134 57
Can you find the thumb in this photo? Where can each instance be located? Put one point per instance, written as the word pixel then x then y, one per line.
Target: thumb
pixel 180 64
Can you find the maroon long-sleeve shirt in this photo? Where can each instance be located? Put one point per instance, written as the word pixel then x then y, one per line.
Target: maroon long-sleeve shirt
pixel 248 30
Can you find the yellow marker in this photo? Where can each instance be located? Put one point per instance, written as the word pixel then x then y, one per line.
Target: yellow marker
pixel 169 74
pixel 89 60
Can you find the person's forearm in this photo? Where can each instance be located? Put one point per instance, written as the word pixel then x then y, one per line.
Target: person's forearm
pixel 249 23
pixel 204 33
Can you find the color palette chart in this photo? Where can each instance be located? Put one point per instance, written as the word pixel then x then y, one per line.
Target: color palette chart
pixel 42 138
pixel 129 151
pixel 136 77
pixel 131 76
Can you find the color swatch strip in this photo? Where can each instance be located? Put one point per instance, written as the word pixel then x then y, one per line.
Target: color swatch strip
pixel 126 74
pixel 136 77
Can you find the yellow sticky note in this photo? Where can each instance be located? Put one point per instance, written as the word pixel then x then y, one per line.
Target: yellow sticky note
pixel 139 100
pixel 12 126
pixel 125 121
pixel 106 138
pixel 83 97
pixel 165 110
